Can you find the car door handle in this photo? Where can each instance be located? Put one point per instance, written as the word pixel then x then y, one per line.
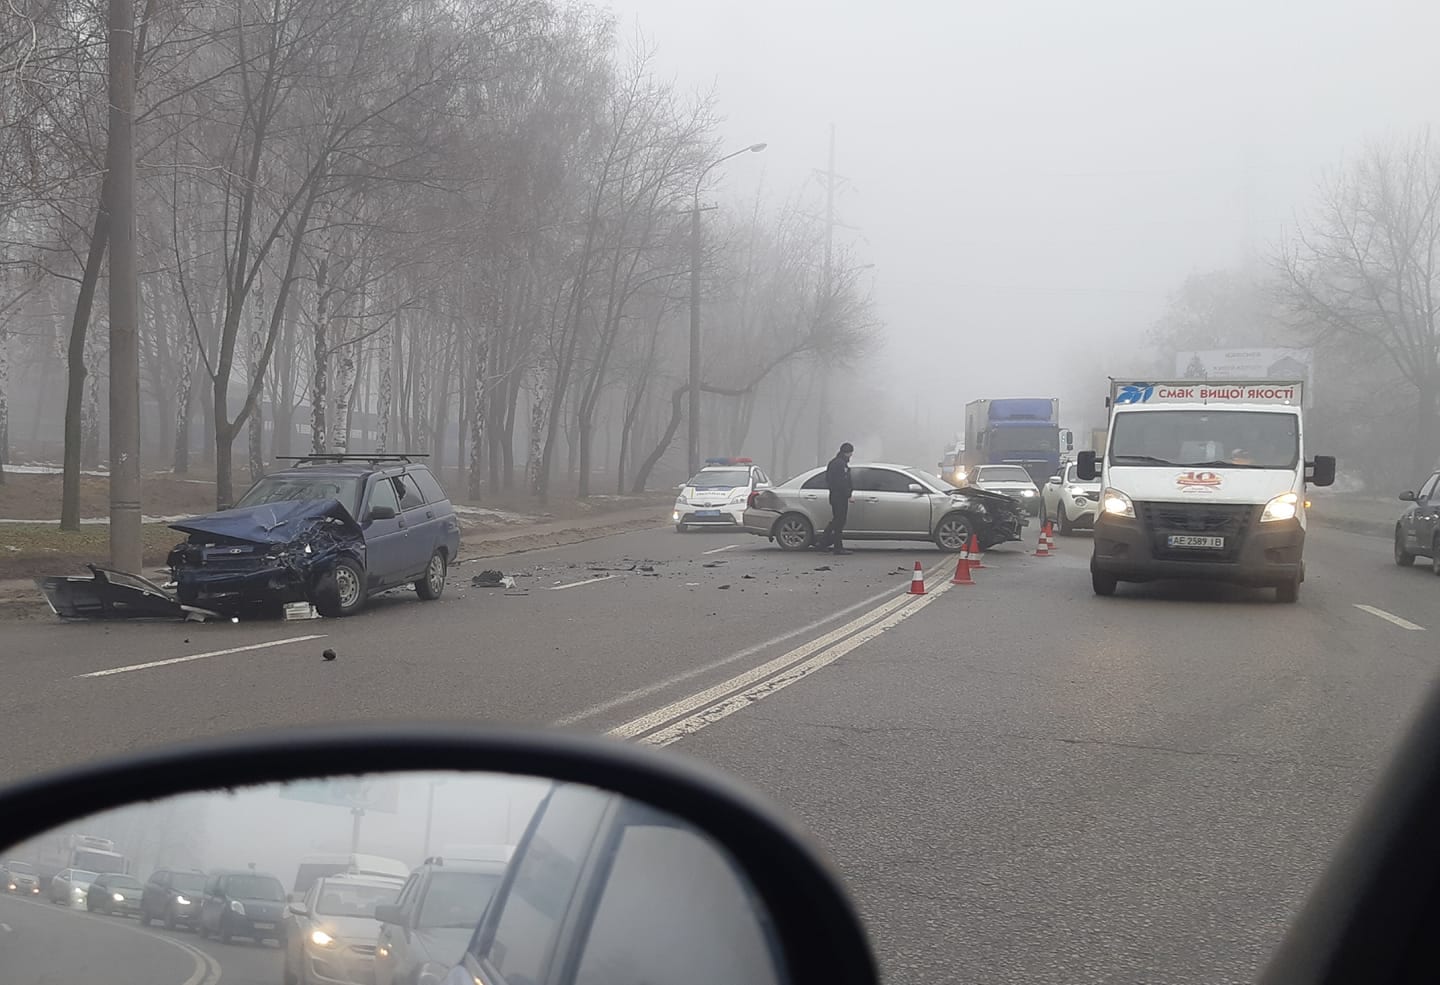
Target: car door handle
pixel 429 514
pixel 872 499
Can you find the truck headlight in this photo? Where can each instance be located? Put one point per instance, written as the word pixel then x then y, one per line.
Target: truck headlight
pixel 237 907
pixel 321 938
pixel 117 897
pixel 1282 507
pixel 1027 493
pixel 1116 503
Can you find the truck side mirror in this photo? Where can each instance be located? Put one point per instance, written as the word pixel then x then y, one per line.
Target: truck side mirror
pixel 1408 496
pixel 1086 469
pixel 1322 470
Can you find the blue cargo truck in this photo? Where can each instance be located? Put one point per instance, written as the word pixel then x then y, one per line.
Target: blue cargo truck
pixel 1022 431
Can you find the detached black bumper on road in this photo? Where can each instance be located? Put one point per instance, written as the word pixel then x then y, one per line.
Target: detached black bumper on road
pixel 1254 553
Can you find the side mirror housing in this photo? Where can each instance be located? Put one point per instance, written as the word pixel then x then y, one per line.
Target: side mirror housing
pixel 390 913
pixel 382 513
pixel 1086 468
pixel 1054 480
pixel 298 909
pixel 1408 496
pixel 916 488
pixel 1322 470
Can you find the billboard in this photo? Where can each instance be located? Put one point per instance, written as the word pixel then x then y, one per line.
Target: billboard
pixel 365 792
pixel 1248 364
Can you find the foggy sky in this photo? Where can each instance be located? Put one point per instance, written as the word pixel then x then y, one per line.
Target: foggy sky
pixel 1044 173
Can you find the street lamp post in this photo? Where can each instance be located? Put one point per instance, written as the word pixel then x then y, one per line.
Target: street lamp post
pixel 694 415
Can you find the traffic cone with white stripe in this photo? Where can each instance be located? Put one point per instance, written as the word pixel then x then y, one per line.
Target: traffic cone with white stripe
pixel 962 569
pixel 1044 549
pixel 974 552
pixel 917 581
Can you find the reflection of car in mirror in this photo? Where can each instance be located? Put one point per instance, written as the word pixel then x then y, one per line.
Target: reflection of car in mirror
pixel 172 897
pixel 330 934
pixel 423 933
pixel 242 904
pixel 114 892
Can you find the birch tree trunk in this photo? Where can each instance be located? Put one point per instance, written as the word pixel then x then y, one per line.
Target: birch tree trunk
pixel 387 388
pixel 320 366
pixel 539 423
pixel 479 405
pixel 344 383
pixel 183 388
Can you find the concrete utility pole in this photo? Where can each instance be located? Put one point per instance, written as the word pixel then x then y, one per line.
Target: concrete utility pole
pixel 125 535
pixel 824 451
pixel 693 423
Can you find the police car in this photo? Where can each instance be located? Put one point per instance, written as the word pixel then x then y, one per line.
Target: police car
pixel 718 494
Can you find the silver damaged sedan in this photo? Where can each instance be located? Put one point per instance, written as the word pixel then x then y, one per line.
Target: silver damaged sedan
pixel 890 502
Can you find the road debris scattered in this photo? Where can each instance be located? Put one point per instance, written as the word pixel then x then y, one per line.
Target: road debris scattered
pixel 328 654
pixel 491 578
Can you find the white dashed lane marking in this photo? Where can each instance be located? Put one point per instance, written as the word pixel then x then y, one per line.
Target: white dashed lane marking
pixel 1390 617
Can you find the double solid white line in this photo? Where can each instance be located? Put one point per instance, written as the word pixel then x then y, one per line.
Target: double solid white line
pixel 690 714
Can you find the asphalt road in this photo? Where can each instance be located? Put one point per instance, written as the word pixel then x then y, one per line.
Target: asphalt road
pixel 1018 780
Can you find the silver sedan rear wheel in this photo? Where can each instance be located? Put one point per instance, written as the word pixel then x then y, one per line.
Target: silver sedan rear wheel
pixel 793 532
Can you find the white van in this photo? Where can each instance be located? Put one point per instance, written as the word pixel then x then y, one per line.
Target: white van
pixel 1203 479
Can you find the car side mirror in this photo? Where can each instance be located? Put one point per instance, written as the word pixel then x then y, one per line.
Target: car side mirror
pixel 382 513
pixel 1054 480
pixel 1322 470
pixel 299 909
pixel 1086 468
pixel 916 488
pixel 1408 496
pixel 745 895
pixel 390 913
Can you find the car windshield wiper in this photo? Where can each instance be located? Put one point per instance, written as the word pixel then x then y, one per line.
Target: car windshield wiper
pixel 1142 459
pixel 1228 465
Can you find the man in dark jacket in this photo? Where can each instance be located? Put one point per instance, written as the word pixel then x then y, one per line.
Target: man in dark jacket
pixel 837 479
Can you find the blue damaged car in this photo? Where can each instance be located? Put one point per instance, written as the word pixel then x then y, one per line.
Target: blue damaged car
pixel 295 537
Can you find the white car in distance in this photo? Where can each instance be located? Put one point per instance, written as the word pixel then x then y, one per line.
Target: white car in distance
pixel 1012 480
pixel 718 494
pixel 1070 503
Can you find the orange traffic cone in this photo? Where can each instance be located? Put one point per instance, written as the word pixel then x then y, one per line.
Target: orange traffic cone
pixel 1043 550
pixel 974 553
pixel 917 581
pixel 962 570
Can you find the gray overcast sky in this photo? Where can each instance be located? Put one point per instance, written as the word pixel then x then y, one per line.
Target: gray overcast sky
pixel 1047 168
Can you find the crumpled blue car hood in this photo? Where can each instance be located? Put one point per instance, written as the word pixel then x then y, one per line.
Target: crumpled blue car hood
pixel 273 523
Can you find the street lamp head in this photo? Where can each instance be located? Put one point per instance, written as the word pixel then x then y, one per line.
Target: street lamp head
pixel 757 148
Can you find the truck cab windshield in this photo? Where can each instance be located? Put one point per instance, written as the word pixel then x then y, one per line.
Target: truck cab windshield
pixel 1217 439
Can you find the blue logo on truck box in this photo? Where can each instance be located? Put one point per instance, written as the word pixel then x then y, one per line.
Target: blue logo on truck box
pixel 1132 393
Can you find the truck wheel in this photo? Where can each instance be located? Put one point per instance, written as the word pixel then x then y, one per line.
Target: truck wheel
pixel 1402 557
pixel 432 585
pixel 1288 591
pixel 1102 583
pixel 342 590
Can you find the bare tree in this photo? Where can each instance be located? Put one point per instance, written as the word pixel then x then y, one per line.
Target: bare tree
pixel 1367 269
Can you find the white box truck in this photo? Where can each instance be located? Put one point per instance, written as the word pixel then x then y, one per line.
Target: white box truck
pixel 1203 479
